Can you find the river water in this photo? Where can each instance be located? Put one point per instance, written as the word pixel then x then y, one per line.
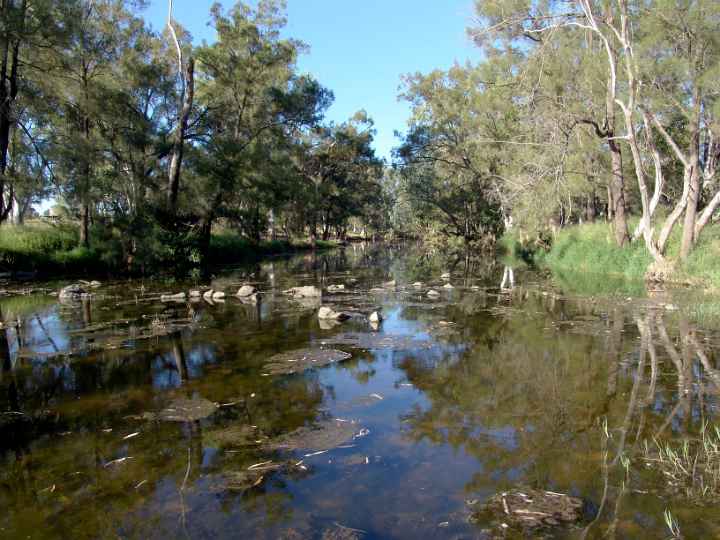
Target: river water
pixel 127 417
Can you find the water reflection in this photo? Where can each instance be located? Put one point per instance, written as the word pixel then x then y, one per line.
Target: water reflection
pixel 518 385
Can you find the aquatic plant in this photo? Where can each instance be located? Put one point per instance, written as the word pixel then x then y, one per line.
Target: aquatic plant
pixel 692 468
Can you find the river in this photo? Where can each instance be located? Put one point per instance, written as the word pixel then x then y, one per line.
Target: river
pixel 124 416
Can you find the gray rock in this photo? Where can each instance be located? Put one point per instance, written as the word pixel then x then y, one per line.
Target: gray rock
pixel 72 292
pixel 245 291
pixel 325 313
pixel 335 288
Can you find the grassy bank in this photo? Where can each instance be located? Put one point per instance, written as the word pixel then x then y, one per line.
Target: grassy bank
pixel 590 250
pixel 51 250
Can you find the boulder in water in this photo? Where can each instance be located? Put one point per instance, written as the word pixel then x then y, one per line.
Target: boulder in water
pixel 245 291
pixel 72 292
pixel 325 313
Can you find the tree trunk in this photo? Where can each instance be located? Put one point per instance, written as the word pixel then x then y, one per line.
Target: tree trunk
pixel 85 225
pixel 8 93
pixel 688 233
pixel 176 156
pixel 617 194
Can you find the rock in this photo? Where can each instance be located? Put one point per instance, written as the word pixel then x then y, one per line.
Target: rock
pixel 417 284
pixel 252 299
pixel 335 288
pixel 72 292
pixel 207 295
pixel 300 360
pixel 184 410
pixel 308 291
pixel 432 293
pixel 245 291
pixel 375 317
pixel 179 297
pixel 446 275
pixel 95 284
pixel 327 313
pixel 195 294
pixel 448 286
pixel 390 284
pixel 531 511
pixel 218 295
pixel 328 324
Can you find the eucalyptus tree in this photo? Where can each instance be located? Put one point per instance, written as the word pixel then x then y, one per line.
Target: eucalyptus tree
pixel 460 145
pixel 28 30
pixel 251 99
pixel 87 68
pixel 564 76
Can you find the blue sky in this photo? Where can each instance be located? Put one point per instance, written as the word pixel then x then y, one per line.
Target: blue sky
pixel 359 48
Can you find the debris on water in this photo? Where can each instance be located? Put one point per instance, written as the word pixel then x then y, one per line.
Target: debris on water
pixel 218 295
pixel 131 436
pixel 390 284
pixel 446 275
pixel 118 461
pixel 207 295
pixel 179 297
pixel 335 288
pixel 377 396
pixel 184 410
pixel 341 532
pixel 418 285
pixel 375 317
pixel 301 359
pixel 531 511
pixel 195 294
pixel 308 291
pixel 354 460
pixel 234 436
pixel 432 293
pixel 378 341
pixel 325 435
pixel 448 286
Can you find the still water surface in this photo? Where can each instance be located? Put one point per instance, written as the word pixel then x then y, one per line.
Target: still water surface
pixel 529 386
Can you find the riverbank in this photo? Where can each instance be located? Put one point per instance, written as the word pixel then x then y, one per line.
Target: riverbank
pixel 52 250
pixel 590 249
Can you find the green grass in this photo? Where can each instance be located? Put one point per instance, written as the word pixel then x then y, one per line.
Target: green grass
pixel 53 249
pixel 45 247
pixel 586 259
pixel 591 248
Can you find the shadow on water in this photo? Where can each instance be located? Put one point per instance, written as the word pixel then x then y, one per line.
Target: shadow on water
pixel 122 415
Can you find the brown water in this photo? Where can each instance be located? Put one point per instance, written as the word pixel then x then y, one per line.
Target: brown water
pixel 531 386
